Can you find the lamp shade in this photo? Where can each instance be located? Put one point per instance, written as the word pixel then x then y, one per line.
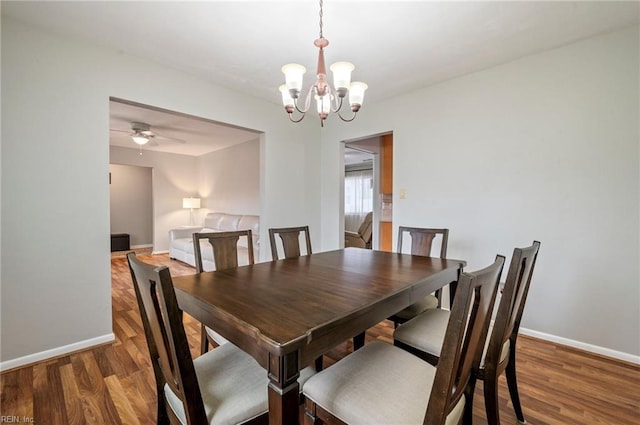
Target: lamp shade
pixel 356 93
pixel 323 103
pixel 190 202
pixel 287 100
pixel 293 75
pixel 342 74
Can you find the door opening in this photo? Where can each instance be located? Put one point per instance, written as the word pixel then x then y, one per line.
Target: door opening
pixel 368 184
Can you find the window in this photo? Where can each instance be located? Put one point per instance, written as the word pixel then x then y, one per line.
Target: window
pixel 358 197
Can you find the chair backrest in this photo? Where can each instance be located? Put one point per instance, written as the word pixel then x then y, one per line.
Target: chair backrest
pixel 422 240
pixel 166 338
pixel 366 228
pixel 464 340
pixel 511 306
pixel 225 248
pixel 290 237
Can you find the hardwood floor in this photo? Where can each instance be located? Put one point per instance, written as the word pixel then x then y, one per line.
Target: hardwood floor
pixel 114 384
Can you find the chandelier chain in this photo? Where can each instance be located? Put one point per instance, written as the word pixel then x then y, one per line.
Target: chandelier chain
pixel 320 19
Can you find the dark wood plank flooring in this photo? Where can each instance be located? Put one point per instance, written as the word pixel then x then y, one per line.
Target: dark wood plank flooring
pixel 113 383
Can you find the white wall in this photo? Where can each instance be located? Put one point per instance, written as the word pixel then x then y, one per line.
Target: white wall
pixel 229 180
pixel 131 203
pixel 55 195
pixel 174 177
pixel 544 148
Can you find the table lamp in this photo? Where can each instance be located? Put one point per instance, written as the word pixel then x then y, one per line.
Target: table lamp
pixel 191 203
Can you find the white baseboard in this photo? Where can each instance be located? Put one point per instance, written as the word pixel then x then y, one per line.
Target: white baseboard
pixel 56 352
pixel 149 245
pixel 607 352
pixel 159 252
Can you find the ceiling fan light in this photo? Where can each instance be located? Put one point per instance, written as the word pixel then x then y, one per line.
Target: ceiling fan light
pixel 140 139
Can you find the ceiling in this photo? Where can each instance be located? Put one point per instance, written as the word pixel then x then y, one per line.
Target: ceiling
pixel 201 136
pixel 396 46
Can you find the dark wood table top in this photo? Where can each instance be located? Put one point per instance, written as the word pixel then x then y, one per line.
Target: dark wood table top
pixel 293 304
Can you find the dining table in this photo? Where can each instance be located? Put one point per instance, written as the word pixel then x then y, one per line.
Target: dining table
pixel 286 313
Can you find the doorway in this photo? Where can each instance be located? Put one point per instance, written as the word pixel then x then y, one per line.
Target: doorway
pixel 358 196
pixel 368 186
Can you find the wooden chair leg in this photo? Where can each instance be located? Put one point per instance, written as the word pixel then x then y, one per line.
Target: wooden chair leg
pixel 310 417
pixel 491 399
pixel 467 416
pixel 358 341
pixel 319 364
pixel 512 383
pixel 163 417
pixel 204 340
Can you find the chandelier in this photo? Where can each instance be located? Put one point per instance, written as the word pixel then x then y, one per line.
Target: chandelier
pixel 328 99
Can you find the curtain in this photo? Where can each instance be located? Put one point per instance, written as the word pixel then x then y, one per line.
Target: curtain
pixel 358 197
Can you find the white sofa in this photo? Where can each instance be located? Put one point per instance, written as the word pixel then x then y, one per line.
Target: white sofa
pixel 181 239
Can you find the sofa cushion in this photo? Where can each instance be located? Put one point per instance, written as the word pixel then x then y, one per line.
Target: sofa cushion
pixel 249 222
pixel 229 223
pixel 212 220
pixel 183 244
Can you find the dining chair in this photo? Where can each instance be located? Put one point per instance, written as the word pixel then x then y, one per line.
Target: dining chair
pixel 424 335
pixel 421 244
pixel 290 237
pixel 225 256
pixel 225 385
pixel 383 384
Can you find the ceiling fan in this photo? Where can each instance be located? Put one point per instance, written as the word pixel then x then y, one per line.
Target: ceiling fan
pixel 141 134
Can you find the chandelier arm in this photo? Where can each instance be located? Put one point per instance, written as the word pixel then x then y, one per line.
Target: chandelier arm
pixel 307 102
pixel 337 100
pixel 294 120
pixel 347 119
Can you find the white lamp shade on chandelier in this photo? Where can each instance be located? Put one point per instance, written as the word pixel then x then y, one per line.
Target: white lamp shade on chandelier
pixel 328 99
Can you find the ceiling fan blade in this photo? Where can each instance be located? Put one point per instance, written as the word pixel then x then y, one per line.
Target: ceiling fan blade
pixel 169 139
pixel 152 143
pixel 120 131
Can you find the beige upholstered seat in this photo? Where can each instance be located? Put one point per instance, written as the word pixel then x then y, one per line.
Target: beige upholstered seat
pixel 427 332
pixel 232 384
pixel 361 238
pixel 424 335
pixel 421 244
pixel 225 386
pixel 383 394
pixel 381 384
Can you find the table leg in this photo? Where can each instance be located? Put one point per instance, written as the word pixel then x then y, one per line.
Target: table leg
pixel 284 390
pixel 453 286
pixel 358 341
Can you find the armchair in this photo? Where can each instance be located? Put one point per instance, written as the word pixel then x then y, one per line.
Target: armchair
pixel 361 238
